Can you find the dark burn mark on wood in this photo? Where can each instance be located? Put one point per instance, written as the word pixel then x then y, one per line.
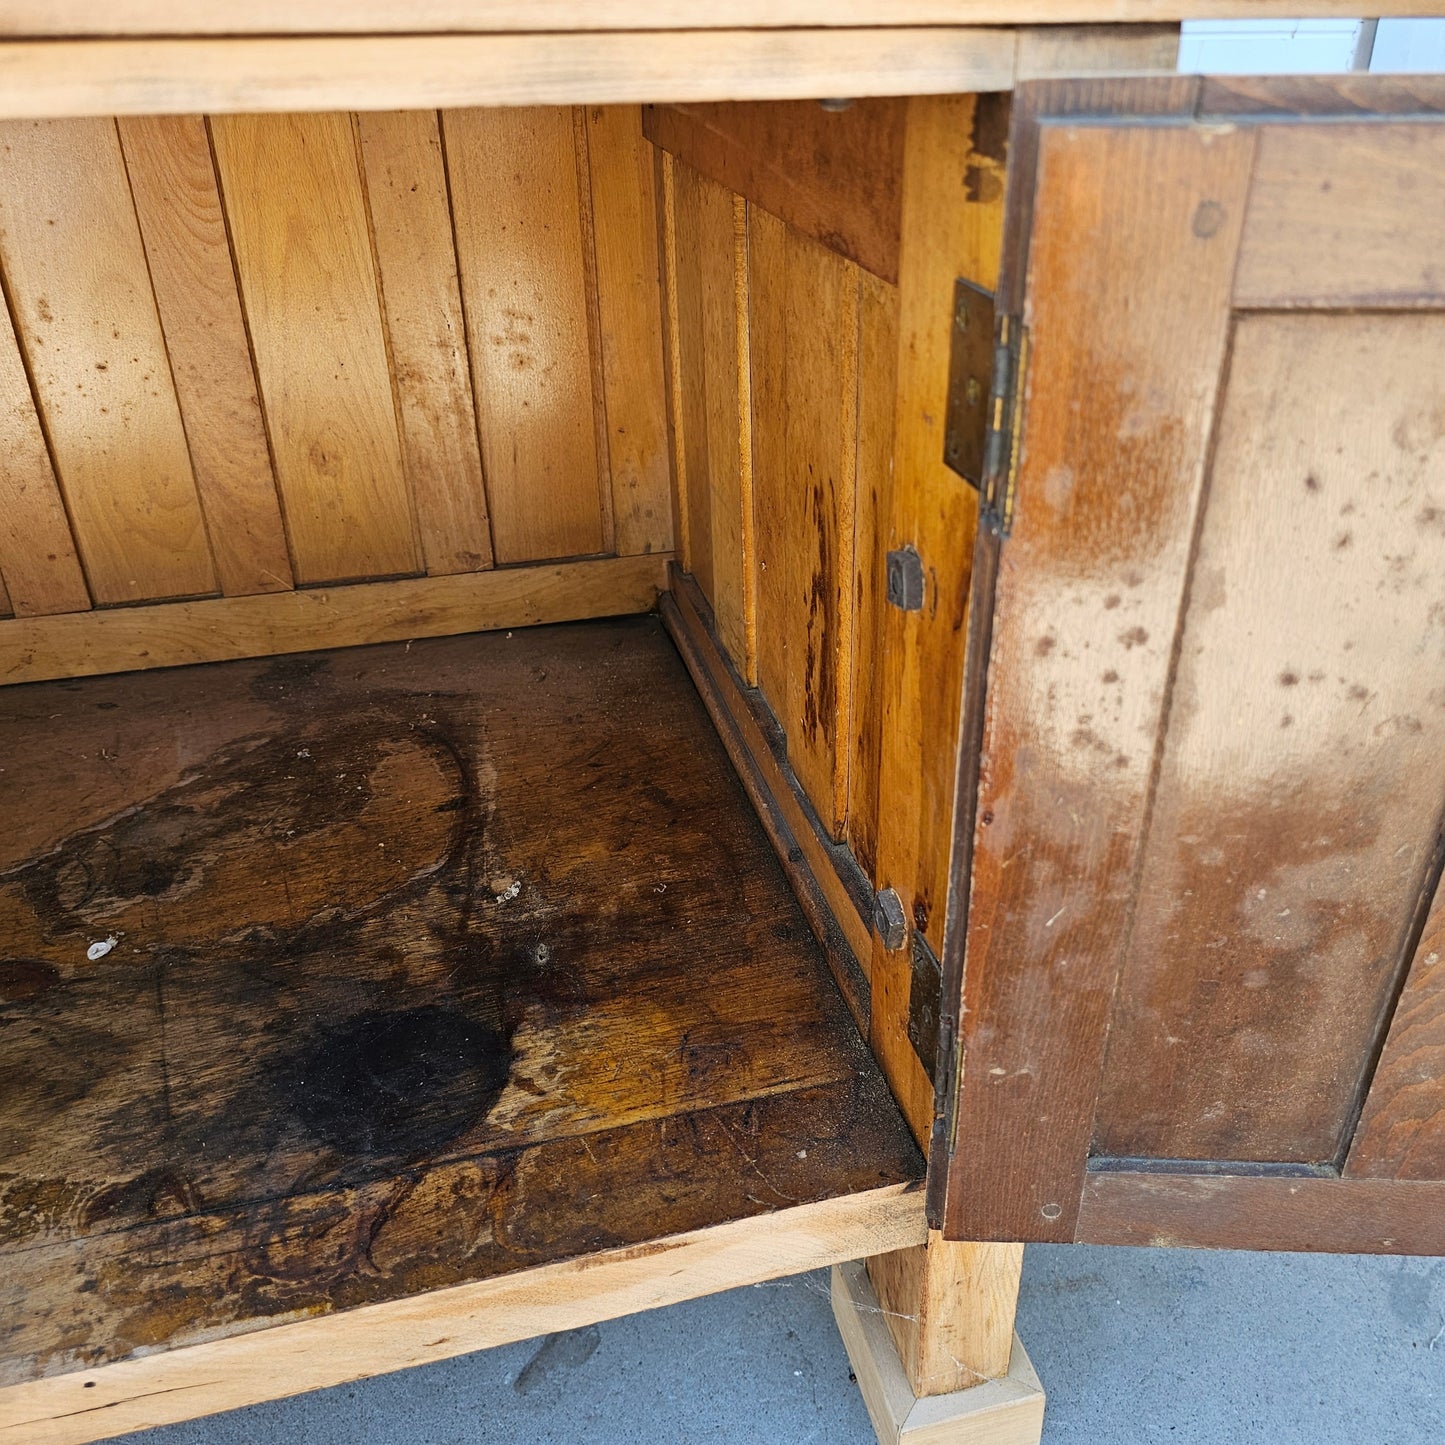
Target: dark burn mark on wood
pixel 331 1059
pixel 401 1083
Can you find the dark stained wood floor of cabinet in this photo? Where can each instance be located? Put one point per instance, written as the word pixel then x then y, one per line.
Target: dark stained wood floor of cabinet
pixel 331 979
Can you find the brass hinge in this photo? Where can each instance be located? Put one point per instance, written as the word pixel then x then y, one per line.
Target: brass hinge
pixel 1005 422
pixel 987 356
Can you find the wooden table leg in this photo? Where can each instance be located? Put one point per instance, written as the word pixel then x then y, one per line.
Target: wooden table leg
pixel 929 1333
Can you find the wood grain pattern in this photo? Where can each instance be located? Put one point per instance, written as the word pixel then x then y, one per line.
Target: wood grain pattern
pixel 712 317
pixel 519 241
pixel 768 374
pixel 175 633
pixel 624 222
pixel 1302 774
pixel 1401 1133
pixel 582 159
pixel 834 175
pixel 586 1026
pixel 955 148
pixel 178 205
pixel 1090 584
pixel 411 223
pixel 877 383
pixel 950 1309
pixel 682 223
pixel 1047 51
pixel 43 78
pixel 311 300
pixel 1346 215
pixel 38 566
pixel 76 275
pixel 804 319
pixel 665 187
pixel 1354 96
pixel 1221 1211
pixel 167 17
pixel 1007 1411
pixel 333 1349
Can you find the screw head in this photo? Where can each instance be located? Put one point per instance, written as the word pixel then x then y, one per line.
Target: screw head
pixel 889 919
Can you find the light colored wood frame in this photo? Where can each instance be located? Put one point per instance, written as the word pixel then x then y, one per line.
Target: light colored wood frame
pixel 185 75
pixel 312 1354
pixel 1004 1411
pixel 277 17
pixel 216 629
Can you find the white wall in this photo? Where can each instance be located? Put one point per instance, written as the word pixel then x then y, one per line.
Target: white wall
pixel 1317 47
pixel 1409 46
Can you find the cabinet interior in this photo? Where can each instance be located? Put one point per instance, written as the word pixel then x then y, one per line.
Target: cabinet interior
pixel 361 938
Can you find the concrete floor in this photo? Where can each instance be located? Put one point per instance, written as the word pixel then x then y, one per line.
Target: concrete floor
pixel 1132 1346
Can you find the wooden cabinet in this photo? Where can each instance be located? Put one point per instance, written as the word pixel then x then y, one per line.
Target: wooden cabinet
pixel 1020 820
pixel 1198 978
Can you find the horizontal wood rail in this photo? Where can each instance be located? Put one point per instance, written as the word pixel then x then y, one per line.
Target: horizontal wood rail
pixel 215 629
pixel 277 17
pixel 182 71
pixel 169 76
pixel 1263 1211
pixel 356 1344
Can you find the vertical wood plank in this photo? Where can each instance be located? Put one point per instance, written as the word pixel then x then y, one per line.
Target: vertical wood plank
pixel 588 230
pixel 1301 781
pixel 953 192
pixel 713 336
pixel 773 561
pixel 805 338
pixel 5 609
pixel 691 221
pixel 1401 1134
pixel 83 307
pixel 724 339
pixel 524 284
pixel 411 222
pixel 1090 585
pixel 38 566
pixel 877 377
pixel 665 180
pixel 293 194
pixel 723 333
pixel 173 182
pixel 743 410
pixel 630 309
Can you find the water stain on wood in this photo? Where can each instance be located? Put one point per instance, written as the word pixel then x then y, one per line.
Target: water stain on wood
pixel 428 963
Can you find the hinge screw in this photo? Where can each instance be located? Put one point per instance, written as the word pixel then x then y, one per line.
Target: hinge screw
pixel 888 919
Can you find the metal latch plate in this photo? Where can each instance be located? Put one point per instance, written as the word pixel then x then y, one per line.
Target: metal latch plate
pixel 925 1004
pixel 970 381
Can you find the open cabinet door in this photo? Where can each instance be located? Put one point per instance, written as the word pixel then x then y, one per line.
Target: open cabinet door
pixel 1200 993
